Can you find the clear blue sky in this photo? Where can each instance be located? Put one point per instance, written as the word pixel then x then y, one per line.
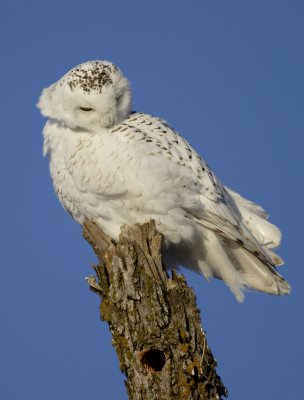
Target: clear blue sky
pixel 229 76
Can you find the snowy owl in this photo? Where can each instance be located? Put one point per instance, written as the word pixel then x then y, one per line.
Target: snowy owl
pixel 116 167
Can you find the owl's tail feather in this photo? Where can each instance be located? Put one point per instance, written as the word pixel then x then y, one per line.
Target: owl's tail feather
pixel 255 219
pixel 239 268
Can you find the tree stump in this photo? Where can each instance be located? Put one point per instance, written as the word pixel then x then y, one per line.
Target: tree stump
pixel 153 319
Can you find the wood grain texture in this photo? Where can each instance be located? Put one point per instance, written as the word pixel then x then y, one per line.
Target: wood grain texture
pixel 153 318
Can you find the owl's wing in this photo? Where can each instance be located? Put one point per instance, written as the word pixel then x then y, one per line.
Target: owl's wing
pixel 206 199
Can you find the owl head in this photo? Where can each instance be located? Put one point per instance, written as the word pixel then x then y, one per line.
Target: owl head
pixel 92 96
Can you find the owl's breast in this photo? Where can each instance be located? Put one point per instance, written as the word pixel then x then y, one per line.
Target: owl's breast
pixel 117 179
pixel 88 173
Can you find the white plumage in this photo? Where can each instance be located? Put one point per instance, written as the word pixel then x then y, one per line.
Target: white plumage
pixel 117 167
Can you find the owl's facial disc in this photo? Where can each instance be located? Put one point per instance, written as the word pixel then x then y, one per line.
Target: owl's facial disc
pixel 92 96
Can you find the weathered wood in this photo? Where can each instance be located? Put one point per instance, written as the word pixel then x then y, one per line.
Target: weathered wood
pixel 154 320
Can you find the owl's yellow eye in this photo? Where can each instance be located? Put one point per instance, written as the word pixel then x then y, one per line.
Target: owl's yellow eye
pixel 86 108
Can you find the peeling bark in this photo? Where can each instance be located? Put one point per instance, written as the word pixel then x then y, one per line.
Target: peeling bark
pixel 153 319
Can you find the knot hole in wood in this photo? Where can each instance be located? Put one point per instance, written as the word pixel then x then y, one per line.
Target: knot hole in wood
pixel 153 359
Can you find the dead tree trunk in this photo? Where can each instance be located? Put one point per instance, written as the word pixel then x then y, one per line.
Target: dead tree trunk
pixel 154 320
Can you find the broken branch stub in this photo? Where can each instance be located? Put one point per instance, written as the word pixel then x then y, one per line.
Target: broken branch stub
pixel 154 321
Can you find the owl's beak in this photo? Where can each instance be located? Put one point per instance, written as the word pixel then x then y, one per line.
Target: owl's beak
pixel 107 119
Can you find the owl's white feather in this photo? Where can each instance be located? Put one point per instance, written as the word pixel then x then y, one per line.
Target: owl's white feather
pixel 116 167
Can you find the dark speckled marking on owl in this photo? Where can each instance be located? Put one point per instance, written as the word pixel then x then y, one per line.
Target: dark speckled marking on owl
pixel 95 78
pixel 116 129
